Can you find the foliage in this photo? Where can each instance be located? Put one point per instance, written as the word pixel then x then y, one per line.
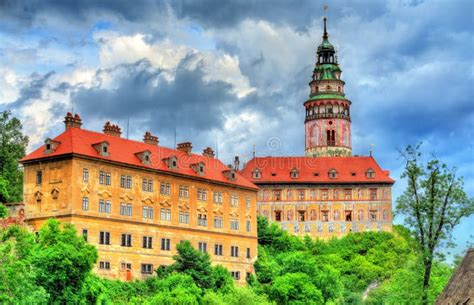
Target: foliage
pixel 12 148
pixel 3 211
pixel 4 194
pixel 433 204
pixel 59 248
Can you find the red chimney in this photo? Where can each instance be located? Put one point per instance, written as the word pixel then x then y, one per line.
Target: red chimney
pixel 150 139
pixel 112 130
pixel 186 147
pixel 208 152
pixel 72 121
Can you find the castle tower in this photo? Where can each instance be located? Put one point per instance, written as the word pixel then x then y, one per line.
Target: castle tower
pixel 328 121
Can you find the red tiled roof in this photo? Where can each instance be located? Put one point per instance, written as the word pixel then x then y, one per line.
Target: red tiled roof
pixel 315 170
pixel 80 141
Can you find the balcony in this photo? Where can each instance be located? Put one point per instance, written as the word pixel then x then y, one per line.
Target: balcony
pixel 327 116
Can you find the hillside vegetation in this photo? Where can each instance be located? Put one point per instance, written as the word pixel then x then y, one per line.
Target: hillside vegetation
pixel 55 267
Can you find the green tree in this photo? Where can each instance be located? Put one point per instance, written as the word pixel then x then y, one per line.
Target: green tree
pixel 433 204
pixel 3 211
pixel 177 289
pixel 17 274
pixel 194 263
pixel 4 194
pixel 12 148
pixel 63 261
pixel 296 289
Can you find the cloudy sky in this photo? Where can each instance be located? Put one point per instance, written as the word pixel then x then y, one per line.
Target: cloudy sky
pixel 236 73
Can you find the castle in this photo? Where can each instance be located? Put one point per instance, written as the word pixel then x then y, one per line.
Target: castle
pixel 135 200
pixel 328 192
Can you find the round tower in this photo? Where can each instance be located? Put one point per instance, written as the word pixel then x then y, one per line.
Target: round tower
pixel 328 120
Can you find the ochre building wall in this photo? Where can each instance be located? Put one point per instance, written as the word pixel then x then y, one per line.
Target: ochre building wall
pixel 63 188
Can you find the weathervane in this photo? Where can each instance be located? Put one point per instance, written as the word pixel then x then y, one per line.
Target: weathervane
pixel 326 7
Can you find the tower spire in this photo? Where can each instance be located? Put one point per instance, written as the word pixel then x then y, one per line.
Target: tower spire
pixel 325 34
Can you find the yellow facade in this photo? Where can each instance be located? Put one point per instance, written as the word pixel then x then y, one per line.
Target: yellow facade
pixel 327 211
pixel 65 185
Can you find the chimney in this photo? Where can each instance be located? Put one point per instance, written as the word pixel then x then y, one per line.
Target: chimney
pixel 72 121
pixel 112 130
pixel 186 147
pixel 208 152
pixel 148 138
pixel 236 163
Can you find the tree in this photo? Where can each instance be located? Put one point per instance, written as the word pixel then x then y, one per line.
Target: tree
pixel 295 288
pixel 12 148
pixel 4 194
pixel 63 261
pixel 433 204
pixel 194 263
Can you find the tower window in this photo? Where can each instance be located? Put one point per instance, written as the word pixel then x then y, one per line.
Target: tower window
pixel 331 137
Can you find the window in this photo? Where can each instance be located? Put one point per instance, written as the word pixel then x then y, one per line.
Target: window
pixel 144 185
pixel 150 185
pixel 218 197
pixel 247 202
pixel 165 188
pixel 126 266
pixel 332 174
pixel 256 174
pixel 331 135
pixel 104 265
pixel 325 215
pixel 373 215
pixel 147 242
pixel 218 222
pixel 202 219
pixel 301 195
pixel 165 244
pixel 104 206
pixel 126 240
pixel 147 212
pixel 183 191
pixel 360 215
pixel 324 194
pixel 277 195
pixel 126 182
pixel 102 177
pixel 125 209
pixel 370 173
pixel 348 215
pixel 202 246
pixel 218 249
pixel 183 217
pixel 289 215
pixel 373 194
pixel 234 200
pixel 313 214
pixel 348 194
pixel 235 275
pixel 301 216
pixel 104 238
pixel 234 251
pixel 277 215
pixel 165 214
pixel 234 224
pixel 248 253
pixel 39 177
pixel 85 234
pixel 248 226
pixel 294 174
pixel 85 175
pixel 336 215
pixel 201 194
pixel 85 203
pixel 147 268
pixel 108 179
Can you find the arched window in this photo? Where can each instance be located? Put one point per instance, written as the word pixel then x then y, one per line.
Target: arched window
pixel 333 137
pixel 289 215
pixel 328 135
pixel 360 215
pixel 313 214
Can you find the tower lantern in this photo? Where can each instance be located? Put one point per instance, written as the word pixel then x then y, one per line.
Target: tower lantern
pixel 328 122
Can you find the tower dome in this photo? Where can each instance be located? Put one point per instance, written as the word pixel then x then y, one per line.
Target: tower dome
pixel 328 122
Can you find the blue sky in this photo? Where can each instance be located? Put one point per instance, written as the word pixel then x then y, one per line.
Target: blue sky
pixel 236 72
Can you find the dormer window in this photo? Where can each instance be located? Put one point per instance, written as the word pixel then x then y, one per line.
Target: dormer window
pixel 370 174
pixel 332 174
pixel 230 174
pixel 294 173
pixel 198 168
pixel 316 174
pixel 256 174
pixel 102 148
pixel 50 146
pixel 144 156
pixel 172 162
pixel 353 174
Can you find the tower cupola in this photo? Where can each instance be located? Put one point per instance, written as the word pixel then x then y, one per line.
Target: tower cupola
pixel 328 122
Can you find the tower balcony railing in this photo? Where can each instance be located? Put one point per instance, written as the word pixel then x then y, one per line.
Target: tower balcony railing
pixel 328 116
